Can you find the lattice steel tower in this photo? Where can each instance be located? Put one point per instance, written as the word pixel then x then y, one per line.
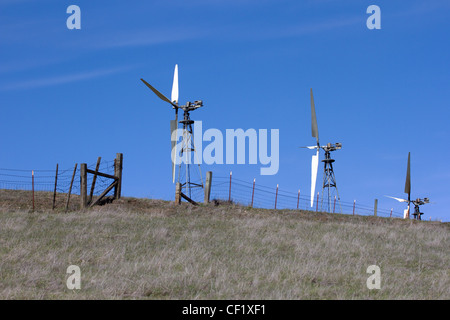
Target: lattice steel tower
pixel 329 188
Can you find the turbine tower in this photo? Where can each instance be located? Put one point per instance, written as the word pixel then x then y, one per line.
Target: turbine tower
pixel 187 143
pixel 329 187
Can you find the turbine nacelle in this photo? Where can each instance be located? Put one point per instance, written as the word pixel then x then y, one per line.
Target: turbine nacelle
pixel 192 105
pixel 332 146
pixel 328 147
pixel 420 202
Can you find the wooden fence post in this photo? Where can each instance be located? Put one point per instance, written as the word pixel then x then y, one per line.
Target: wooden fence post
pixel 208 186
pixel 178 193
pixel 253 191
pixel 334 205
pixel 276 198
pixel 298 198
pixel 94 179
pixel 54 191
pixel 83 185
pixel 354 204
pixel 229 192
pixel 118 165
pixel 375 208
pixel 317 202
pixel 71 184
pixel 32 185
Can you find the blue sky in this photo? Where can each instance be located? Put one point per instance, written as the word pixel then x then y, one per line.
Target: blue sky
pixel 70 96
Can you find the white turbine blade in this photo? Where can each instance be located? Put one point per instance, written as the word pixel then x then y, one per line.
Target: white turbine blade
pixel 408 176
pixel 159 94
pixel 405 213
pixel 310 147
pixel 174 95
pixel 173 138
pixel 314 167
pixel 398 199
pixel 314 128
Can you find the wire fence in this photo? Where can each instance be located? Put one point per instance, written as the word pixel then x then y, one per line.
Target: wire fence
pixel 67 180
pixel 222 188
pixel 259 196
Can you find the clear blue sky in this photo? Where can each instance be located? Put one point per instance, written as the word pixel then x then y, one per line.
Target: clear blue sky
pixel 70 96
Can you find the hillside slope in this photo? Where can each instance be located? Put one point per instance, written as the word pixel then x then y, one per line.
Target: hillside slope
pixel 152 249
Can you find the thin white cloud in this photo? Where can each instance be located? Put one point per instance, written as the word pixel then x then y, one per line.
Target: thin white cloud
pixel 148 37
pixel 314 27
pixel 63 79
pixel 423 8
pixel 217 3
pixel 158 36
pixel 12 2
pixel 286 31
pixel 21 65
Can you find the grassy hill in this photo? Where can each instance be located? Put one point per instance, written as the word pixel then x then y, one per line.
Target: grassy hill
pixel 152 249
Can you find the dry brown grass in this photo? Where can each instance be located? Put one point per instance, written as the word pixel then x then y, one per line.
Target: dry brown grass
pixel 152 249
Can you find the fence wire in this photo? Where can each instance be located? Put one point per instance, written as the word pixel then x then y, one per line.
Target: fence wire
pixel 67 180
pixel 239 191
pixel 244 192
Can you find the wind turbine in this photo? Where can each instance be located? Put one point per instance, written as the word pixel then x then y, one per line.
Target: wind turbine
pixel 187 144
pixel 329 180
pixel 418 202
